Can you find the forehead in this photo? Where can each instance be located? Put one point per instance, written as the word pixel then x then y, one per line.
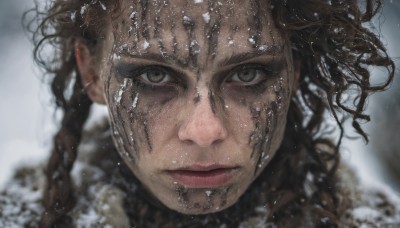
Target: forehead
pixel 196 31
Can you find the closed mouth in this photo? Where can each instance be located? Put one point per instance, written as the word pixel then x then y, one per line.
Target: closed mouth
pixel 202 176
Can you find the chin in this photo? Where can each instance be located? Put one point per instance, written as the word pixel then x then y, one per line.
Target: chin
pixel 201 208
pixel 192 201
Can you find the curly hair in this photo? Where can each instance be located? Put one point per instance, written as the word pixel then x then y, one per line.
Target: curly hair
pixel 335 48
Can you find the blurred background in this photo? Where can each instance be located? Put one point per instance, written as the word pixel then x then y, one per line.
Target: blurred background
pixel 27 116
pixel 25 109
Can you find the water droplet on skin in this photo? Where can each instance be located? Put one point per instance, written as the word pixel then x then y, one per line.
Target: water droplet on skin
pixel 121 91
pixel 276 88
pixel 135 101
pixel 73 16
pixel 195 47
pixel 263 48
pixel 131 137
pixel 103 6
pixel 115 56
pixel 146 44
pixel 84 8
pixel 206 17
pixel 187 20
pixel 252 41
pixel 173 162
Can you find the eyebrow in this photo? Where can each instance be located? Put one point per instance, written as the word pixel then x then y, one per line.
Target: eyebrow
pixel 231 60
pixel 153 57
pixel 242 57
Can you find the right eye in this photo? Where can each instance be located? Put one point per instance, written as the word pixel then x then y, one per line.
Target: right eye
pixel 247 76
pixel 156 77
pixel 151 75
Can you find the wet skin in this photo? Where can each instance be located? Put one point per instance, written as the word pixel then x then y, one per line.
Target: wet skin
pixel 197 96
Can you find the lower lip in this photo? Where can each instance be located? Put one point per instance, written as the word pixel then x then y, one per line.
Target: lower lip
pixel 202 179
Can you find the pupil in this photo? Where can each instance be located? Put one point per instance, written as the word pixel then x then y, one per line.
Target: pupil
pixel 155 76
pixel 247 75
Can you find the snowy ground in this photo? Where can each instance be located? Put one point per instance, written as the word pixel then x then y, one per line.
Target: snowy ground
pixel 26 116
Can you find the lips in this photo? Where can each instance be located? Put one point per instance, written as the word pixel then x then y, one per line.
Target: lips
pixel 203 176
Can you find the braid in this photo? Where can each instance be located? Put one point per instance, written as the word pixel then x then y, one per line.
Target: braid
pixel 58 25
pixel 59 199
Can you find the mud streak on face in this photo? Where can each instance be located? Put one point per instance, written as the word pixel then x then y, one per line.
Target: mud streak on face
pixel 194 47
pixel 213 104
pixel 144 26
pixel 158 26
pixel 211 30
pixel 270 129
pixel 255 26
pixel 197 97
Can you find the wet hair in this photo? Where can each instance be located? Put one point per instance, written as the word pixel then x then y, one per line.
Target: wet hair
pixel 330 40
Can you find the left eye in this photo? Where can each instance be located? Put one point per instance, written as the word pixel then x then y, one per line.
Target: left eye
pixel 247 76
pixel 155 77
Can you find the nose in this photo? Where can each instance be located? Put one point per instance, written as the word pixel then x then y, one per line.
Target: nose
pixel 202 127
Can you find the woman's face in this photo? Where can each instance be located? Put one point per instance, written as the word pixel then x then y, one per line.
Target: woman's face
pixel 198 93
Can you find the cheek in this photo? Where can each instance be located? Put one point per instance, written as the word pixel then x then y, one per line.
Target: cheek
pixel 140 117
pixel 129 120
pixel 268 120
